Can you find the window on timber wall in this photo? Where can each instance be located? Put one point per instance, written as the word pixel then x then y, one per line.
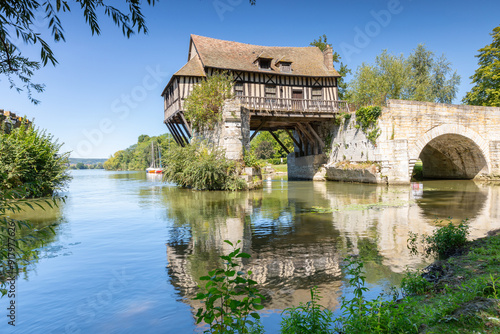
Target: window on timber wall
pixel 317 93
pixel 270 93
pixel 264 64
pixel 238 88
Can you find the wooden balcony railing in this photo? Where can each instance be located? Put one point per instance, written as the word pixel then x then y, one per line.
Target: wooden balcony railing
pixel 300 105
pixel 278 104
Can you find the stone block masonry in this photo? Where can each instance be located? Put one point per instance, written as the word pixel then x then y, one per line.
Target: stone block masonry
pixel 453 142
pixel 236 129
pixel 232 133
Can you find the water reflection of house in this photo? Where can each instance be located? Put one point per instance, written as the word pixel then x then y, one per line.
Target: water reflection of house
pixel 293 249
pixel 284 274
pixel 284 268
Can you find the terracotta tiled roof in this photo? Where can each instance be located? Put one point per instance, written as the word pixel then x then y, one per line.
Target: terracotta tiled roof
pixel 193 68
pixel 216 53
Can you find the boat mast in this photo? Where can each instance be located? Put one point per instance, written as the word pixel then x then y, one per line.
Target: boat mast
pixel 153 162
pixel 159 154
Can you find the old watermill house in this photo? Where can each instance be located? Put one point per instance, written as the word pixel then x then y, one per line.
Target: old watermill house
pixel 291 88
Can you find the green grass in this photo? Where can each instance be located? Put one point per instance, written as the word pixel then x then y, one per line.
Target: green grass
pixel 465 299
pixel 280 168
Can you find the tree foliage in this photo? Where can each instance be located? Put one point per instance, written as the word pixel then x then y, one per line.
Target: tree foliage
pixel 18 20
pixel 203 107
pixel 264 146
pixel 30 158
pixel 420 77
pixel 138 156
pixel 322 43
pixel 486 79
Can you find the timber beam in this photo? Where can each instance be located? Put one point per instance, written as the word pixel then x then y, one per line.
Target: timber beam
pixel 279 142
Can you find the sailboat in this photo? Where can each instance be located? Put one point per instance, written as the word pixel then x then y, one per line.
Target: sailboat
pixel 155 167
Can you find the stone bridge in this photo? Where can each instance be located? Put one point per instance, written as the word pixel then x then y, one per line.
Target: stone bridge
pixel 452 141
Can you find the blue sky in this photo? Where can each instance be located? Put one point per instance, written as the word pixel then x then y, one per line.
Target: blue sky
pixel 105 91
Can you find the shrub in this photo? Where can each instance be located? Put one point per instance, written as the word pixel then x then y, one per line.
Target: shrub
pixel 372 316
pixel 444 242
pixel 307 318
pixel 230 297
pixel 414 284
pixel 29 157
pixel 200 167
pixel 251 160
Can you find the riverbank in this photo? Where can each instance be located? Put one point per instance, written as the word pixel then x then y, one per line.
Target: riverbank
pixel 464 291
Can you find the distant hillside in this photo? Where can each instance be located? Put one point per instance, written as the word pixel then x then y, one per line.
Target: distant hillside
pixel 86 161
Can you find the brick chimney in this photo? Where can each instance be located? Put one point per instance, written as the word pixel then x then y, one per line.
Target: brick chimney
pixel 328 57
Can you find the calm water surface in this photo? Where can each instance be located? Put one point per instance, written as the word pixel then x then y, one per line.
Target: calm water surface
pixel 129 249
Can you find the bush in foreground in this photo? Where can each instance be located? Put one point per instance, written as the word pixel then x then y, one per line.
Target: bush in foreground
pixel 200 167
pixel 29 158
pixel 444 242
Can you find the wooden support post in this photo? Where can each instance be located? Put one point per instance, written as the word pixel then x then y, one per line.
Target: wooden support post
pixel 178 140
pixel 291 136
pixel 181 128
pixel 302 141
pixel 179 131
pixel 186 130
pixel 305 132
pixel 187 125
pixel 171 132
pixel 279 142
pixel 309 137
pixel 257 130
pixel 320 141
pixel 298 144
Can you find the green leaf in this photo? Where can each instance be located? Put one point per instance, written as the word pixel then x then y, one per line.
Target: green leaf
pixel 255 315
pixel 244 255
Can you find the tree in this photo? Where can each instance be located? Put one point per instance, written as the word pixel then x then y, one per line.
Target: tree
pixel 322 43
pixel 486 79
pixel 264 150
pixel 203 106
pixel 138 156
pixel 277 151
pixel 419 77
pixel 17 18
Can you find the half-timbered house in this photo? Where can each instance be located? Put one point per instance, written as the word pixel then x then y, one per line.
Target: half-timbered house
pixel 290 88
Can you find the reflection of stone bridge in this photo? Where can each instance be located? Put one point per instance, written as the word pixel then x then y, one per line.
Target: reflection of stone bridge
pixel 452 141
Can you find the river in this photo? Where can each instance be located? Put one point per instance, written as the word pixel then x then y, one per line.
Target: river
pixel 129 249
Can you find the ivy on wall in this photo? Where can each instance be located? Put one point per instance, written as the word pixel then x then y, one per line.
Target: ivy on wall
pixel 366 119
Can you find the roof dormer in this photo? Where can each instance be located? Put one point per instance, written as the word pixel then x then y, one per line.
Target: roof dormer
pixel 284 64
pixel 265 63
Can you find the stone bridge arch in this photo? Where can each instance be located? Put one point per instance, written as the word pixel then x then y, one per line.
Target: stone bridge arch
pixel 451 152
